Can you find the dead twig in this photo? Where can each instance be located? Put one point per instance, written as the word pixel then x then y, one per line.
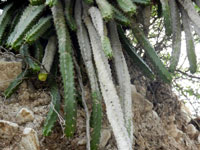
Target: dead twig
pixel 84 103
pixel 186 74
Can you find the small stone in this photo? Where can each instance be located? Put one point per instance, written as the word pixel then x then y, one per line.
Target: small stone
pixel 174 131
pixel 179 135
pixel 191 130
pixel 82 141
pixel 29 140
pixel 24 95
pixel 133 88
pixel 24 115
pixel 185 109
pixel 141 104
pixel 9 70
pixel 105 136
pixel 8 129
pixel 198 138
pixel 155 115
pixel 23 85
pixel 141 90
pixel 7 148
pixel 185 116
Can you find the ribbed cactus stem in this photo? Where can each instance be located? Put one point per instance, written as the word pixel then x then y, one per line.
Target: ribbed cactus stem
pixel 86 53
pixel 123 79
pixel 111 99
pixel 66 68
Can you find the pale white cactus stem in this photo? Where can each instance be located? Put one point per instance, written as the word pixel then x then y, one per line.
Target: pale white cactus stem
pixel 85 48
pixel 113 107
pixel 190 9
pixel 97 20
pixel 195 27
pixel 48 58
pixel 101 29
pixel 123 77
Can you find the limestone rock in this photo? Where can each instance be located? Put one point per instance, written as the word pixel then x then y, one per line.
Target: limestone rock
pixel 24 115
pixel 141 104
pixel 174 131
pixel 82 141
pixel 9 70
pixel 29 140
pixel 8 129
pixel 141 90
pixel 133 88
pixel 6 149
pixel 191 130
pixel 155 115
pixel 185 109
pixel 198 138
pixel 185 116
pixel 105 136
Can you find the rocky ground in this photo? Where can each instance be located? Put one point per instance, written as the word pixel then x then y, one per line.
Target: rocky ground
pixel 161 122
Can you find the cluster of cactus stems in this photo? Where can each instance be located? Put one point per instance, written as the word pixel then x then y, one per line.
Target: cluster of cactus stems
pixel 181 11
pixel 46 32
